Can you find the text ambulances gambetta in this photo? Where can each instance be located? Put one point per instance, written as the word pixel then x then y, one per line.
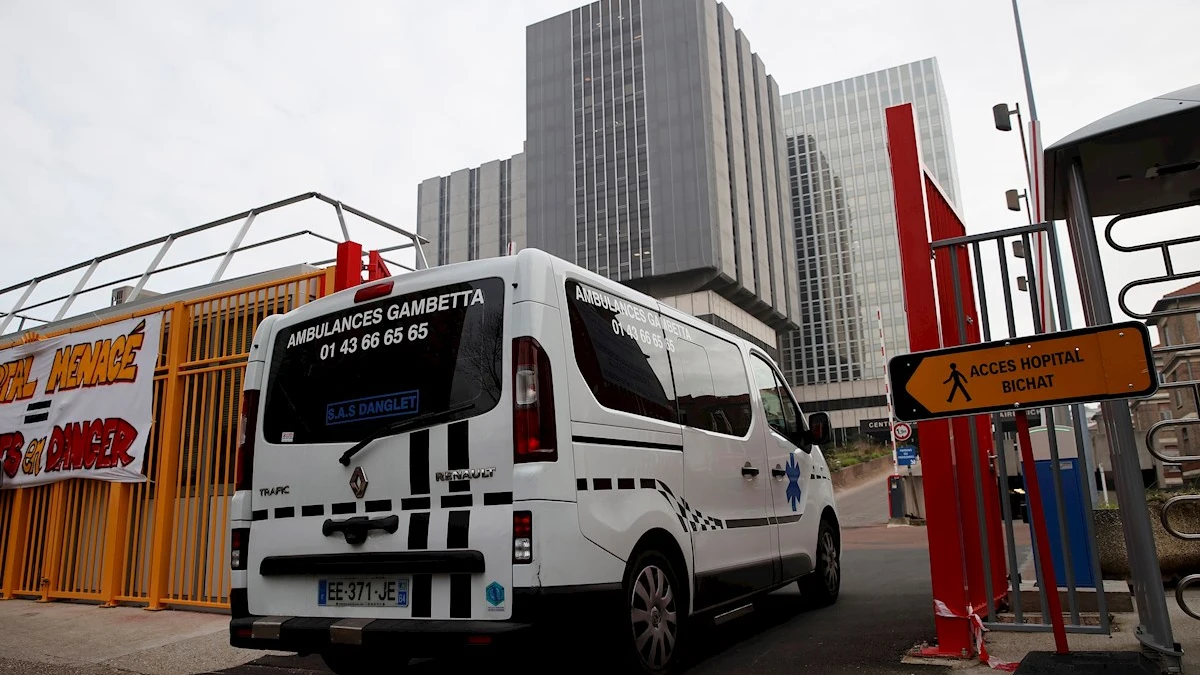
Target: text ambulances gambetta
pixel 385 317
pixel 634 321
pixel 78 405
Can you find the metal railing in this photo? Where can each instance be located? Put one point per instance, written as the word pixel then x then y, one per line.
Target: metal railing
pixel 1168 248
pixel 978 249
pixel 164 243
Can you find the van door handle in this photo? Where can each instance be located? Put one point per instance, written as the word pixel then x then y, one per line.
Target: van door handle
pixel 355 529
pixel 749 471
pixel 778 472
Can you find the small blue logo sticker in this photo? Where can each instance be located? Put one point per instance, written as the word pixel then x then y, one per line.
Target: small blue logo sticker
pixel 495 594
pixel 793 487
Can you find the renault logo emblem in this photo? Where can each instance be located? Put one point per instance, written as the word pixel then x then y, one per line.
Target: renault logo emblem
pixel 358 482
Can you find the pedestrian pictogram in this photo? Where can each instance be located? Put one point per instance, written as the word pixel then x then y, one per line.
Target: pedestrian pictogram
pixel 1092 364
pixel 959 380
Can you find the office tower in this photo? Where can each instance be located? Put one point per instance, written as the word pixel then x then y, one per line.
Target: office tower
pixel 473 213
pixel 845 232
pixel 656 157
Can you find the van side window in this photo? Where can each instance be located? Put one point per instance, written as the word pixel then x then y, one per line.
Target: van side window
pixel 713 390
pixel 782 413
pixel 622 352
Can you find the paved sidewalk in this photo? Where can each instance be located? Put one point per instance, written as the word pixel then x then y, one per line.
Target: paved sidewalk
pixel 70 638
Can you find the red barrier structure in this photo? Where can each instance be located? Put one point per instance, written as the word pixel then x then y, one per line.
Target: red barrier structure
pixel 956 539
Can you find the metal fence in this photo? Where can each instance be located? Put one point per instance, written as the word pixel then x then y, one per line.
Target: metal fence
pixel 1001 264
pixel 163 541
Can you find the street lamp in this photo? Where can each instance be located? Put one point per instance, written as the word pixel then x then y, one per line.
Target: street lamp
pixel 1013 199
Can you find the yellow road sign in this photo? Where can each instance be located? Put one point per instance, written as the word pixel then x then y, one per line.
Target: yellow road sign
pixel 1091 364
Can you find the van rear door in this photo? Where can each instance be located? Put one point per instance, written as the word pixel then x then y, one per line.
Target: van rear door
pixel 416 522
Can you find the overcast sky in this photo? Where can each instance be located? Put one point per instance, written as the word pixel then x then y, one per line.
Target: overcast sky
pixel 125 120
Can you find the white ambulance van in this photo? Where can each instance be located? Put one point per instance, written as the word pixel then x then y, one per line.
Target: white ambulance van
pixel 451 457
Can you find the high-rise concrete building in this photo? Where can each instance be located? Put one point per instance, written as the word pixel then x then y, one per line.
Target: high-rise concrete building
pixel 473 213
pixel 845 232
pixel 656 157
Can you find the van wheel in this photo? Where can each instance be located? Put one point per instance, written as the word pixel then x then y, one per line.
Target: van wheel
pixel 821 588
pixel 656 614
pixel 360 662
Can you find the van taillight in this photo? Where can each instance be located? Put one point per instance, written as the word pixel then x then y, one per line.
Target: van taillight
pixel 239 547
pixel 534 431
pixel 522 537
pixel 246 434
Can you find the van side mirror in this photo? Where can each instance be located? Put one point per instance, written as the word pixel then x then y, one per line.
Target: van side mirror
pixel 820 431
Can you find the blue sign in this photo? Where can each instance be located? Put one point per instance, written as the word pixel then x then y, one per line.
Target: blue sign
pixel 906 455
pixel 374 407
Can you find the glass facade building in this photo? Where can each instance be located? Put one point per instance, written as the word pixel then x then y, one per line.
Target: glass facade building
pixel 847 251
pixel 845 222
pixel 656 157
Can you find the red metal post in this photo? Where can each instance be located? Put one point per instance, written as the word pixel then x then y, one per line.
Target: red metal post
pixel 946 559
pixel 376 267
pixel 1038 514
pixel 348 268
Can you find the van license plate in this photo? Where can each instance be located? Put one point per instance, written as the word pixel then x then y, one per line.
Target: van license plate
pixel 373 592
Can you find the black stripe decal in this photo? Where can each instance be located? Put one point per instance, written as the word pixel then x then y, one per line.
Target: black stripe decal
pixel 312 510
pixel 37 417
pixel 647 483
pixel 622 443
pixel 418 531
pixel 456 501
pixel 458 529
pixel 497 498
pixel 40 405
pixel 580 483
pixel 460 596
pixel 343 508
pixel 458 454
pixel 784 520
pixel 379 505
pixel 285 512
pixel 625 483
pixel 665 488
pixel 259 515
pixel 418 462
pixel 415 503
pixel 601 483
pixel 746 522
pixel 422 596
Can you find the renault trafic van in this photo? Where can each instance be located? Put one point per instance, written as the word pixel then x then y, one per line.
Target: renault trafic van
pixel 453 456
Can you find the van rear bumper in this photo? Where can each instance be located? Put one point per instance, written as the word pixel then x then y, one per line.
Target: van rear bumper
pixel 532 609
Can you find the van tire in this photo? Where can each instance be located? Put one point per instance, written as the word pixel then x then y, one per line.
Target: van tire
pixel 362 662
pixel 821 588
pixel 654 616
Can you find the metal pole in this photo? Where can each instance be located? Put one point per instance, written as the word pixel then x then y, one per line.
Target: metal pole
pixel 1038 517
pixel 17 307
pixel 1154 630
pixel 166 246
pixel 976 471
pixel 237 241
pixel 1024 62
pixel 62 311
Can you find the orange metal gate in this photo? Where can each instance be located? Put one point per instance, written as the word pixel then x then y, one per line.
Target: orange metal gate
pixel 164 541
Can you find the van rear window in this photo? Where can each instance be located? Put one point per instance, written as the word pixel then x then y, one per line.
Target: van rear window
pixel 338 377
